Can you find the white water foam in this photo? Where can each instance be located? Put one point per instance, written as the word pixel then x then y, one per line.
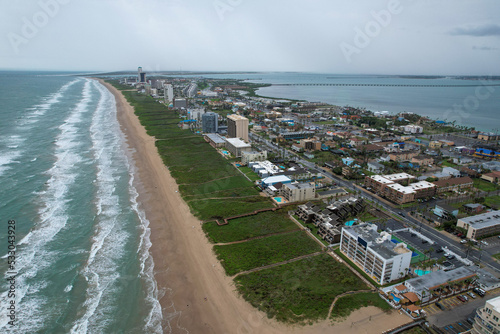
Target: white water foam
pixel 12 153
pixel 108 242
pixel 105 245
pixel 34 257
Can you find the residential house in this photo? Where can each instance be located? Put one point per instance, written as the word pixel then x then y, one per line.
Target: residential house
pixel 492 177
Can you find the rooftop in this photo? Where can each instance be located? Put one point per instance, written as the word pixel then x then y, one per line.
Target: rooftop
pixel 216 138
pixel 437 278
pixel 398 176
pixel 237 142
pixel 483 220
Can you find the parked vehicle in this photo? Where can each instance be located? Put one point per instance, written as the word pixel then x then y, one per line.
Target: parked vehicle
pixel 471 294
pixel 461 298
pixel 439 250
pixel 479 291
pixel 463 241
pixel 440 306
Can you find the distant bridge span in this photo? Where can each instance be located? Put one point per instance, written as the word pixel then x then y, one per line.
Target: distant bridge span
pixel 378 85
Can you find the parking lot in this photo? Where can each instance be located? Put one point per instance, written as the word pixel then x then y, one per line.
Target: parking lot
pixel 455 314
pixel 416 242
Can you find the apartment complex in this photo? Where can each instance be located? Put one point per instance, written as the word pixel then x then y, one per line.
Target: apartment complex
pixel 247 157
pixel 237 127
pixel 482 225
pixel 454 184
pixel 298 192
pixel 375 253
pixel 236 146
pixel 398 189
pixel 487 318
pixel 210 122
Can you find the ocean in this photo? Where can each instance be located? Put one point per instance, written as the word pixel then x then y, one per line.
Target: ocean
pixel 473 103
pixel 82 262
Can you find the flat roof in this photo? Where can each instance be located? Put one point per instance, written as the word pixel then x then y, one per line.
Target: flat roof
pixel 381 179
pixel 483 220
pixel 216 138
pixel 400 188
pixel 236 117
pixel 495 303
pixel 398 176
pixel 436 278
pixel 237 142
pixel 277 178
pixel 300 185
pixel 421 185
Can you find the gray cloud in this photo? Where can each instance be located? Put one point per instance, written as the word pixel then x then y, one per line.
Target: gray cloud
pixel 484 48
pixel 478 31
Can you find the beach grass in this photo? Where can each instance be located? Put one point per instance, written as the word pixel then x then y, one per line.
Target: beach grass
pixel 256 253
pixel 349 303
pixel 243 228
pixel 298 292
pixel 211 186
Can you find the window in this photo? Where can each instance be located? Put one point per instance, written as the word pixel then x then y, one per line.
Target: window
pixel 495 318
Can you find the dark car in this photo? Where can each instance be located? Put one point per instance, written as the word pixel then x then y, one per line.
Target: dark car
pixel 424 241
pixel 440 306
pixel 439 250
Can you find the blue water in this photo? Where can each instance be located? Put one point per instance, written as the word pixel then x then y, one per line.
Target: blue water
pixel 420 272
pixel 82 260
pixel 478 105
pixel 396 299
pixel 277 199
pixel 350 223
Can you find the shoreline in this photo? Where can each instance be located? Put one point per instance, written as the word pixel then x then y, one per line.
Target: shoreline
pixel 195 294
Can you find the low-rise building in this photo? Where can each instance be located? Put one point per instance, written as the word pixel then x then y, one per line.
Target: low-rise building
pixel 485 224
pixel 298 192
pixel 393 187
pixel 250 156
pixel 432 286
pixel 402 156
pixel 236 146
pixel 492 177
pixel 307 212
pixel 454 184
pixel 422 160
pixel 215 140
pixel 375 253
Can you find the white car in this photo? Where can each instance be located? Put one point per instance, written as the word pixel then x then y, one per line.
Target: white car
pixel 471 294
pixel 463 241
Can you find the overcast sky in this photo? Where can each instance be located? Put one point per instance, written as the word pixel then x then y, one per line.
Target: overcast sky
pixel 332 36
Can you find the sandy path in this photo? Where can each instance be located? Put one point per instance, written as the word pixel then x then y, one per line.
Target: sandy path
pixel 199 297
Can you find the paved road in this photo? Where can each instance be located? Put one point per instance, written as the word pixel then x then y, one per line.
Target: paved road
pixel 442 240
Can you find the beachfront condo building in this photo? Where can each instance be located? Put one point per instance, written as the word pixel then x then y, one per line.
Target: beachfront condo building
pixel 375 253
pixel 482 225
pixel 487 320
pixel 237 127
pixel 210 122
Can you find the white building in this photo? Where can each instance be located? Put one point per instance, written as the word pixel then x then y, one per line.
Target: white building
pixel 247 157
pixel 487 318
pixel 375 253
pixel 168 93
pixel 413 129
pixel 298 192
pixel 236 146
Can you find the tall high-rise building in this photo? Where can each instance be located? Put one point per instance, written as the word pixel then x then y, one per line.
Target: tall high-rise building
pixel 210 122
pixel 237 127
pixel 169 93
pixel 141 76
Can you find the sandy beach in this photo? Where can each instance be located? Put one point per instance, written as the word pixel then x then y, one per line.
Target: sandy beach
pixel 196 295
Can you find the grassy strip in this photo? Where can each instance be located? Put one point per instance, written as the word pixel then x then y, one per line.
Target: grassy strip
pixel 248 227
pixel 492 201
pixel 298 292
pixel 345 305
pixel 484 185
pixel 260 252
pixel 202 174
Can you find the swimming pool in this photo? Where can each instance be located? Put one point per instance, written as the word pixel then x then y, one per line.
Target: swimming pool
pixel 238 165
pixel 278 199
pixel 225 152
pixel 420 272
pixel 350 222
pixel 396 299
